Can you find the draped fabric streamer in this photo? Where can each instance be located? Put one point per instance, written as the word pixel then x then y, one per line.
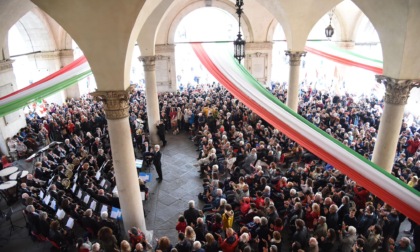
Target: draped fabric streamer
pixel 345 57
pixel 63 78
pixel 219 61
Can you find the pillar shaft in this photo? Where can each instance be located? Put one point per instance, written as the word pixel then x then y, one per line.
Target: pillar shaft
pixel 116 108
pixel 151 97
pixel 396 95
pixel 293 90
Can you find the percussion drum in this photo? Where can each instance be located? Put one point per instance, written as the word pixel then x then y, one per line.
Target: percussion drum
pixel 8 191
pixel 4 174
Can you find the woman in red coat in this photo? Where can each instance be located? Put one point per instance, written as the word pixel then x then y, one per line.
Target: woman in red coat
pixel 229 244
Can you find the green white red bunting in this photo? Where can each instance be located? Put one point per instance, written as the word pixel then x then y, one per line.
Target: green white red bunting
pixel 63 78
pixel 218 60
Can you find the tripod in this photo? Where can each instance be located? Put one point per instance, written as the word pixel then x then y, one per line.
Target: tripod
pixel 9 218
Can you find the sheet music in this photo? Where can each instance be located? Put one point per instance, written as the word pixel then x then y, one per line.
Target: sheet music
pixel 70 223
pixel 115 213
pixel 86 199
pixel 73 189
pixel 41 194
pixel 60 214
pixel 93 205
pixel 53 204
pixel 139 163
pixel 102 183
pixel 47 199
pixel 144 176
pixel 79 194
pixel 104 208
pixel 75 178
pixel 98 175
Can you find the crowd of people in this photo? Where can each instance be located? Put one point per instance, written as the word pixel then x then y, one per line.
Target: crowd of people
pixel 260 188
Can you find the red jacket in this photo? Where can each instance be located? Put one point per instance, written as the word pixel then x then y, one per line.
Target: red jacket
pixel 181 226
pixel 228 245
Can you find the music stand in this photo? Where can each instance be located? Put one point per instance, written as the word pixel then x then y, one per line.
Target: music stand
pixel 9 218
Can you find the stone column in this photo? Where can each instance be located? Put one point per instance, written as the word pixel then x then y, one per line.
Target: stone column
pixel 116 106
pixel 293 90
pixel 12 122
pixel 396 95
pixel 152 101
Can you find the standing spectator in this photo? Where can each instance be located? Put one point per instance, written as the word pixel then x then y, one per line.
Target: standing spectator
pixel 161 132
pixel 191 214
pixel 181 225
pixel 183 245
pixel 227 217
pixel 107 240
pixel 347 239
pixel 230 242
pixel 413 145
pixel 301 234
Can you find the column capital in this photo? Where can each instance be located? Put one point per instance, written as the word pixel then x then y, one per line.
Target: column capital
pixel 295 56
pixel 397 91
pixel 6 65
pixel 116 103
pixel 149 62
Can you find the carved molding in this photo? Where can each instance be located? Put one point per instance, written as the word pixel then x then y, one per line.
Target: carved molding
pixel 47 55
pixel 116 103
pixel 159 49
pixel 294 57
pixel 162 57
pixel 257 64
pixel 257 55
pixel 6 65
pixel 149 62
pixel 66 53
pixel 259 46
pixel 397 90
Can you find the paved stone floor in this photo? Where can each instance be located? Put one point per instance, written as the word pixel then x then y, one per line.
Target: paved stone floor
pixel 166 202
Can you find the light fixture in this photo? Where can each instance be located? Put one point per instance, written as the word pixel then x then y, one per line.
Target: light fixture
pixel 329 31
pixel 239 43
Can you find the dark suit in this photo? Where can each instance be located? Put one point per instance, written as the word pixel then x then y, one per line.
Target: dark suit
pixel 157 163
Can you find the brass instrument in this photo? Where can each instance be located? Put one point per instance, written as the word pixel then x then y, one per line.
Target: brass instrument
pixel 76 162
pixel 70 167
pixel 66 183
pixel 68 173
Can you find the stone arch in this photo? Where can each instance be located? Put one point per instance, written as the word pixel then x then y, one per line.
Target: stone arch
pixel 396 23
pixel 224 5
pixel 36 32
pixel 272 28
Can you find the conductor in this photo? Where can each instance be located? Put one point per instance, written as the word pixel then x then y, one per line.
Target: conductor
pixel 157 163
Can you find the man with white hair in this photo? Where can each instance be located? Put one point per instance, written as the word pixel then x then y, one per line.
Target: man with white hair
pixel 191 214
pixel 348 239
pixel 157 162
pixel 106 222
pixel 197 247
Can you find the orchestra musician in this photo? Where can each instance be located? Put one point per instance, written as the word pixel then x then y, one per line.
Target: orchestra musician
pixel 51 165
pixel 60 152
pixel 68 146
